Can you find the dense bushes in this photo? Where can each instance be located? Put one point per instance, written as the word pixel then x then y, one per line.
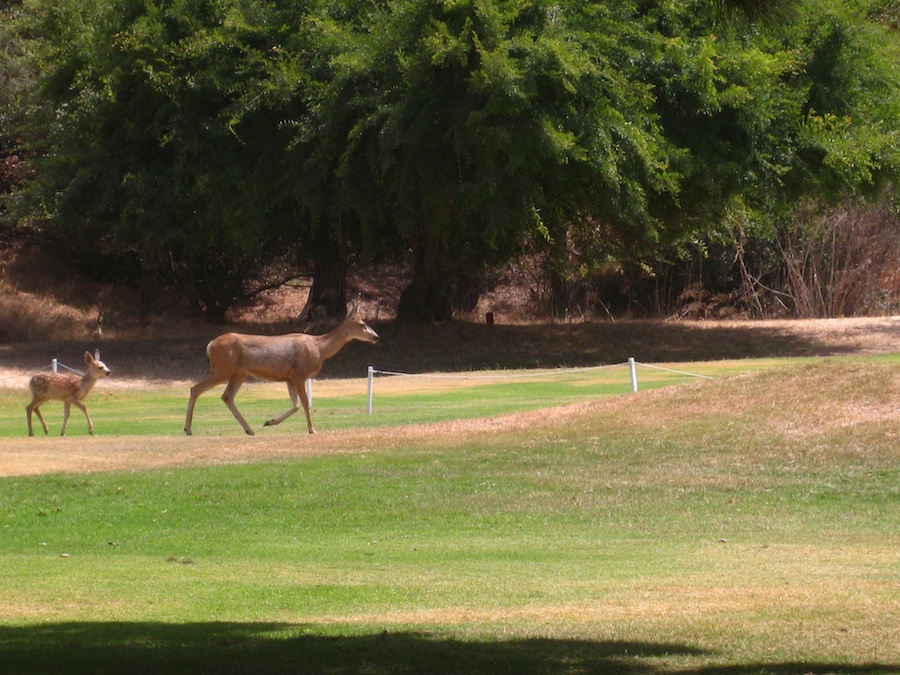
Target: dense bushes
pixel 657 157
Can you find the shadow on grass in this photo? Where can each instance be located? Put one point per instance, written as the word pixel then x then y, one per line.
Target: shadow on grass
pixel 276 648
pixel 459 346
pixel 467 346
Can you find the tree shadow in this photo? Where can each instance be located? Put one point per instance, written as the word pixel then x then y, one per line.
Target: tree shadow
pixel 414 347
pixel 272 649
pixel 467 346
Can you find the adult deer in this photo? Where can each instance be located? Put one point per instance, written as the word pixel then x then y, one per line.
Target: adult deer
pixel 65 387
pixel 292 358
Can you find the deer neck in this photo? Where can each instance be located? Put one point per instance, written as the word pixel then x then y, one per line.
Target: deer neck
pixel 87 383
pixel 331 343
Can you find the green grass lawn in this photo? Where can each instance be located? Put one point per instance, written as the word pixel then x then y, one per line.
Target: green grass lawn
pixel 122 409
pixel 746 524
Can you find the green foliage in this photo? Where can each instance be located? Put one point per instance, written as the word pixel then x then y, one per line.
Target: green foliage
pixel 761 113
pixel 491 124
pixel 848 141
pixel 218 137
pixel 140 101
pixel 15 81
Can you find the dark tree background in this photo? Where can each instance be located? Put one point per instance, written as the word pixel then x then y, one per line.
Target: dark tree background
pixel 221 148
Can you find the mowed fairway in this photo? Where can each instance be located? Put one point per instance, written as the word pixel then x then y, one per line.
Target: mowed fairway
pixel 748 523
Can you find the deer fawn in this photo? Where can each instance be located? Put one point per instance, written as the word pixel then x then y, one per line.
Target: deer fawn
pixel 69 389
pixel 292 358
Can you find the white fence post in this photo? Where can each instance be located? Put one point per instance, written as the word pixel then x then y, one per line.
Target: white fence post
pixel 309 391
pixel 371 379
pixel 632 367
pixel 54 366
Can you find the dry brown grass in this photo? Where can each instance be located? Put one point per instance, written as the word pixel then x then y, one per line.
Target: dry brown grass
pixel 28 317
pixel 117 453
pixel 805 400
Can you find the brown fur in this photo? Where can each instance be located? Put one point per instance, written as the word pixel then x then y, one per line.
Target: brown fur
pixel 68 388
pixel 292 358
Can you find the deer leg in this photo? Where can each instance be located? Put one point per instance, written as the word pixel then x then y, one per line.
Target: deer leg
pixel 37 411
pixel 228 396
pixel 66 409
pixel 80 406
pixel 34 407
pixel 304 399
pixel 202 386
pixel 292 390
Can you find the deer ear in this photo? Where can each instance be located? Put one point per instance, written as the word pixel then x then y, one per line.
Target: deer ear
pixel 354 306
pixel 87 357
pixel 96 355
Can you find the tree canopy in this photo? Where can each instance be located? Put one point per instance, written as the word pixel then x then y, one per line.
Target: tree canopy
pixel 214 138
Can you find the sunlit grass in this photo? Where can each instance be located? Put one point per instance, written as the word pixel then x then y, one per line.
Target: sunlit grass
pixel 122 408
pixel 745 523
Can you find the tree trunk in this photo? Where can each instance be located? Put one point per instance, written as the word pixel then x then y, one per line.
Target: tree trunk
pixel 328 295
pixel 150 303
pixel 429 296
pixel 466 292
pixel 557 273
pixel 559 294
pixel 426 300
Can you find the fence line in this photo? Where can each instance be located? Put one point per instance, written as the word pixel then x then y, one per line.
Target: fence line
pixel 54 367
pixel 679 372
pixel 631 363
pixel 56 364
pixel 452 376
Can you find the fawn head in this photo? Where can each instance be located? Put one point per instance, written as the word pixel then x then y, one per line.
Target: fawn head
pixel 96 367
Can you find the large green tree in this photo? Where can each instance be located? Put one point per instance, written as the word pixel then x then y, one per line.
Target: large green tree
pixel 774 105
pixel 489 123
pixel 220 136
pixel 15 81
pixel 616 127
pixel 327 194
pixel 148 147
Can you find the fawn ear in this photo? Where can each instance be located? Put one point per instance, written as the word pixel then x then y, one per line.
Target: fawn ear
pixel 88 358
pixel 96 355
pixel 352 311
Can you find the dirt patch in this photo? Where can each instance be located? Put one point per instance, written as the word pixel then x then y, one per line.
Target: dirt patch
pixel 41 455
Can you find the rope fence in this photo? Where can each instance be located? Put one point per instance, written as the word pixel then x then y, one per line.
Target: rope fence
pixel 54 367
pixel 631 363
